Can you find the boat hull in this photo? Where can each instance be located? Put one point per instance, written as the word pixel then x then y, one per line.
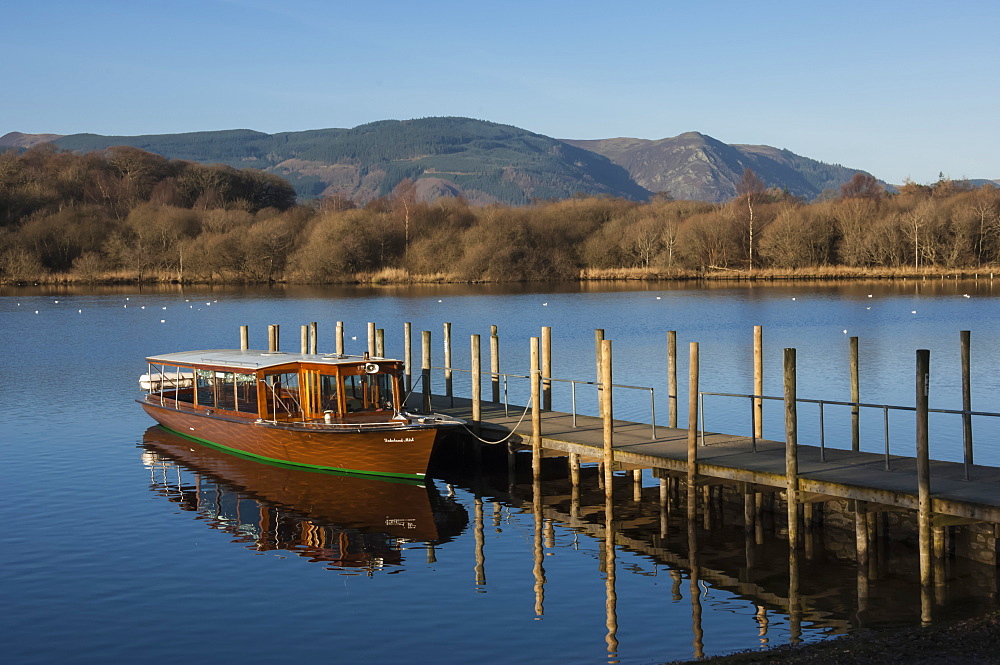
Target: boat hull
pixel 402 453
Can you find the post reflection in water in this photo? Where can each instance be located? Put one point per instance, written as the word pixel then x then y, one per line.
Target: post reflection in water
pixel 539 550
pixel 610 566
pixel 698 641
pixel 787 591
pixel 480 547
pixel 348 522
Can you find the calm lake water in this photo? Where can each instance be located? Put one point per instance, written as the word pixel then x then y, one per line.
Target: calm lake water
pixel 122 541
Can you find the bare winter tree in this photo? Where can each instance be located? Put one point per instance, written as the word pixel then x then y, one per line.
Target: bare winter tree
pixel 750 190
pixel 862 186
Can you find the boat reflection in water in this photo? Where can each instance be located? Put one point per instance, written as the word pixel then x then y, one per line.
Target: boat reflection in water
pixel 345 521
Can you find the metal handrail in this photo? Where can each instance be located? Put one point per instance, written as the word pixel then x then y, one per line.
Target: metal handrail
pixel 822 403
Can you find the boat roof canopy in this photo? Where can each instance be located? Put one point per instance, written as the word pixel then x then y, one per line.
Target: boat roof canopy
pixel 251 360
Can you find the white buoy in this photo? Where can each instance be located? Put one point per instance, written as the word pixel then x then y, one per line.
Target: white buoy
pixel 913 312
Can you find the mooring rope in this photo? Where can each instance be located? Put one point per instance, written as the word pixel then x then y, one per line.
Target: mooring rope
pixel 471 433
pixel 512 432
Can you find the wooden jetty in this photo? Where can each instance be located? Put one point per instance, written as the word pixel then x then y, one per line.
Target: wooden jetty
pixel 846 474
pixel 943 494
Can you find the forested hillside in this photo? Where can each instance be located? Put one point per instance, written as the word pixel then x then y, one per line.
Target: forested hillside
pixel 126 215
pixel 484 162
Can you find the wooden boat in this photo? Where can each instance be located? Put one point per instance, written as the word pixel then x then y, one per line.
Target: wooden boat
pixel 324 411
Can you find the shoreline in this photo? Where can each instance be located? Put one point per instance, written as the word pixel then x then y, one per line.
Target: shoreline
pixel 398 277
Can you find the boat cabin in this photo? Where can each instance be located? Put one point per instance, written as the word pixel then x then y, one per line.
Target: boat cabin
pixel 276 386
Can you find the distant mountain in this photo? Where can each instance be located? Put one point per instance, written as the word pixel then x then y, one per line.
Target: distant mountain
pixel 696 166
pixel 485 162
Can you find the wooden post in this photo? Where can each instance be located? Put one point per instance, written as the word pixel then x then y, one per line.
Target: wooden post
pixel 758 381
pixel 966 401
pixel 408 354
pixel 939 536
pixel 794 612
pixel 861 533
pixel 380 342
pixel 855 397
pixel 536 414
pixel 447 363
pixel 791 450
pixel 273 339
pixel 425 369
pixel 314 338
pixel 664 509
pixel 672 377
pixel 924 482
pixel 748 524
pixel 495 364
pixel 607 412
pixel 547 368
pixel 371 339
pixel 244 337
pixel 477 386
pixel 304 339
pixel 692 439
pixel 598 338
pixel 339 338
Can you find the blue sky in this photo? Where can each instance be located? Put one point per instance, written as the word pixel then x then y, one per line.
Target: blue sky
pixel 901 89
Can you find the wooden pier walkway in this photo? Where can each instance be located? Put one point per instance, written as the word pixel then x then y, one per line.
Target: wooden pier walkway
pixel 844 475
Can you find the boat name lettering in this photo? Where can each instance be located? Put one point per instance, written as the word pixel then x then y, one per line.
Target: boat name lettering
pixel 405 522
pixel 408 439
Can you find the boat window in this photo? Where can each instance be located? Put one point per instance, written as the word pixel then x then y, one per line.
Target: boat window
pixel 169 382
pixel 205 381
pixel 368 392
pixel 328 392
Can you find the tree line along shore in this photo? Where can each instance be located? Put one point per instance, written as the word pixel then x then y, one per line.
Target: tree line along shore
pixel 124 215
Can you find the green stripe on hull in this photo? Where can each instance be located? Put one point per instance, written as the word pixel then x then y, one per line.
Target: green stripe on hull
pixel 311 467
